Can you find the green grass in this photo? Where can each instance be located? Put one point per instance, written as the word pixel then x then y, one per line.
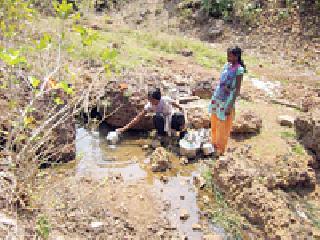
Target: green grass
pixel 224 216
pixel 313 214
pixel 285 81
pixel 298 149
pixel 288 134
pixel 208 177
pixel 221 213
pixel 204 55
pixel 131 54
pixel 186 12
pixel 138 47
pixel 43 227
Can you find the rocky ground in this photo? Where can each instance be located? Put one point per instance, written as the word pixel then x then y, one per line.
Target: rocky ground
pixel 270 175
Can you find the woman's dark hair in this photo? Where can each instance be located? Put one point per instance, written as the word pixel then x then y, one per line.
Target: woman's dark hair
pixel 154 94
pixel 236 51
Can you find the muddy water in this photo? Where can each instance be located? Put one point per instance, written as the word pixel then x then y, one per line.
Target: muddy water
pixel 99 160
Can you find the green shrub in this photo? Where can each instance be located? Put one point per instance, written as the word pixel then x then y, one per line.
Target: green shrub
pixel 43 227
pixel 216 8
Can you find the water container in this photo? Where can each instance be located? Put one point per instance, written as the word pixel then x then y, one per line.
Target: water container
pixel 113 137
pixel 207 149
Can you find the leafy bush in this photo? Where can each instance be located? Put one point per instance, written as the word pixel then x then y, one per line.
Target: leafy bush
pixel 218 8
pixel 43 227
pixel 247 11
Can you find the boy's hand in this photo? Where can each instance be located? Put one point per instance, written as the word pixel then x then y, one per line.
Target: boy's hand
pixel 120 130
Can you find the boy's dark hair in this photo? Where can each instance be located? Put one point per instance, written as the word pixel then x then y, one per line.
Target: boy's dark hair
pixel 154 94
pixel 236 51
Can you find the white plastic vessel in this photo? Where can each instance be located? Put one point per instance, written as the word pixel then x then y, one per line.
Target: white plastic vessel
pixel 207 149
pixel 113 137
pixel 190 145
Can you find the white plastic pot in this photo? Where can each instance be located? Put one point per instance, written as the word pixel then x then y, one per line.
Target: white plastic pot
pixel 113 137
pixel 187 149
pixel 207 149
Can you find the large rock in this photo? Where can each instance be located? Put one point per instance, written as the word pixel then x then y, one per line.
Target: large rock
pixel 310 102
pixel 291 172
pixel 189 4
pixel 118 107
pixel 246 186
pixel 216 30
pixel 160 160
pixel 308 131
pixel 203 89
pixel 285 120
pixel 198 118
pixel 247 122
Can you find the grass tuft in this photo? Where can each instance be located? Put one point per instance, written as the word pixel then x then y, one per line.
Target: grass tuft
pixel 287 134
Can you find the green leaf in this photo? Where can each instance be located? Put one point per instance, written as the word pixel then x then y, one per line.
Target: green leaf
pixel 44 41
pixel 43 227
pixel 12 104
pixel 58 101
pixel 28 120
pixel 12 57
pixel 76 17
pixel 79 29
pixel 109 54
pixel 70 49
pixel 63 9
pixel 34 82
pixel 65 87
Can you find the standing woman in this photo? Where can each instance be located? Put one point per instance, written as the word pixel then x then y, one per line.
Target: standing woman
pixel 222 106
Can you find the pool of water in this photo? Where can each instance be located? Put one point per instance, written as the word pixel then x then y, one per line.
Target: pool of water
pixel 128 159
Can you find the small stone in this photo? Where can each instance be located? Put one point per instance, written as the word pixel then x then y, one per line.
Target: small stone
pixel 205 199
pixel 187 99
pixel 184 214
pixel 96 224
pixel 160 160
pixel 286 120
pixel 109 21
pixel 184 160
pixel 145 147
pixel 115 45
pixel 196 227
pixel 164 179
pixel 166 205
pixel 186 52
pixel 184 237
pixel 212 237
pixel 182 197
pixel 155 144
pixel 202 182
